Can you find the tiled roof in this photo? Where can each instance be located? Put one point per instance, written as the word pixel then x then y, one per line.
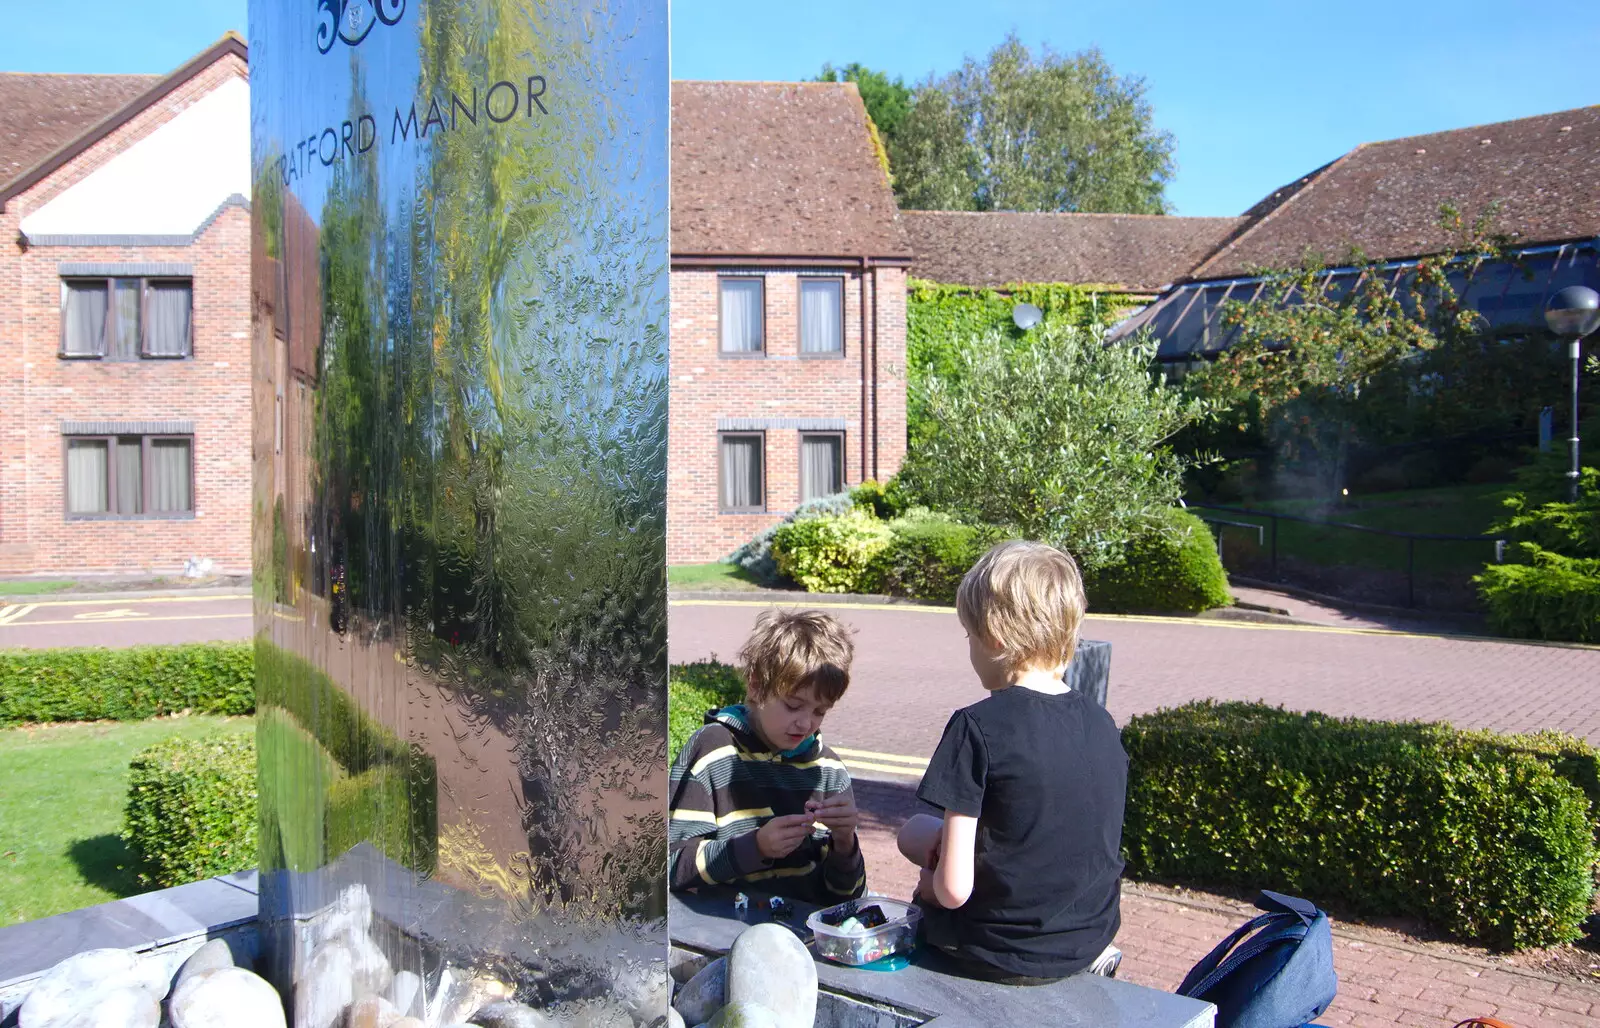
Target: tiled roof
pixel 778 169
pixel 1384 197
pixel 39 114
pixel 1136 252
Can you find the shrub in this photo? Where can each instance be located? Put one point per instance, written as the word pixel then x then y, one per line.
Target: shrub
pixel 1481 836
pixel 1172 567
pixel 192 809
pixel 694 689
pixel 756 557
pixel 92 684
pixel 1551 597
pixel 831 554
pixel 883 500
pixel 928 554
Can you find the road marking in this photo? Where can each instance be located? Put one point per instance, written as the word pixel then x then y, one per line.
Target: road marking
pixel 862 765
pixel 225 598
pixel 142 620
pixel 896 758
pixel 121 613
pixel 803 600
pixel 16 612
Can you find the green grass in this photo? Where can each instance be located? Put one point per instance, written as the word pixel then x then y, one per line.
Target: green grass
pixel 62 792
pixel 1455 510
pixel 730 577
pixel 29 587
pixel 693 689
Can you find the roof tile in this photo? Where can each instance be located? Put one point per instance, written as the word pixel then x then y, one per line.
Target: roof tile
pixel 40 114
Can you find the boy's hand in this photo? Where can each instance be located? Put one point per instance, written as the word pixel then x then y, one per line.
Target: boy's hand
pixel 841 817
pixel 781 836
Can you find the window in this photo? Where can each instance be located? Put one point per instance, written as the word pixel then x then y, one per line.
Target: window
pixel 741 472
pixel 821 465
pixel 742 312
pixel 821 317
pixel 130 476
pixel 126 318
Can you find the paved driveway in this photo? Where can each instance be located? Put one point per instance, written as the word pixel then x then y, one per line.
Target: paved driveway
pixel 114 621
pixel 911 671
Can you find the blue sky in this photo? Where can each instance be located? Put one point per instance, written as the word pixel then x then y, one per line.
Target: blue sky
pixel 1256 93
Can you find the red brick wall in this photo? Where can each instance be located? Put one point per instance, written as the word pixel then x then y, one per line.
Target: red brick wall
pixel 707 386
pixel 38 390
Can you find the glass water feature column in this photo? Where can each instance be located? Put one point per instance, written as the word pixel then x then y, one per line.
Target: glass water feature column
pixel 459 288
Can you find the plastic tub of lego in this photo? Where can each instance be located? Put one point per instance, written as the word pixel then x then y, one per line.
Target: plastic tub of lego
pixel 846 940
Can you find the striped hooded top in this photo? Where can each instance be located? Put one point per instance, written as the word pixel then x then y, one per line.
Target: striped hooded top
pixel 726 783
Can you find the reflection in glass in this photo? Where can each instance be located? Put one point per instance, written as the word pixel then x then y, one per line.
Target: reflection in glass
pixel 460 297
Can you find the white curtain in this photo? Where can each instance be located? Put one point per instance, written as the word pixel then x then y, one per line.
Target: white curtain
pixel 167 334
pixel 821 465
pixel 125 343
pixel 86 476
pixel 86 318
pixel 130 475
pixel 821 315
pixel 741 473
pixel 742 315
pixel 170 490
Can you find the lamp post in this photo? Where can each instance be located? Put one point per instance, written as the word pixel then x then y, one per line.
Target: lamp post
pixel 1573 313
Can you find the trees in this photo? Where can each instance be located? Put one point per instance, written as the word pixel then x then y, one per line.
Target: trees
pixel 1057 435
pixel 887 100
pixel 1030 132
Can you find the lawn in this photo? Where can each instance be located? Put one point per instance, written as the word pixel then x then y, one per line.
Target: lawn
pixel 33 587
pixel 1456 510
pixel 61 810
pixel 722 577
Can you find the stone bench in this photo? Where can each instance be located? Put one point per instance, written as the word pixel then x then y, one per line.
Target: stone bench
pixel 703 925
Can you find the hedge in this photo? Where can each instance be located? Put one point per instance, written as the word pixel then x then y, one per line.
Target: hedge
pixel 831 554
pixel 694 689
pixel 928 554
pixel 1174 567
pixel 132 684
pixel 1551 597
pixel 191 810
pixel 1485 837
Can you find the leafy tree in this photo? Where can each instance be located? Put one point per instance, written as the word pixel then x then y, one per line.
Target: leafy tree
pixel 1059 436
pixel 888 100
pixel 1314 347
pixel 1026 132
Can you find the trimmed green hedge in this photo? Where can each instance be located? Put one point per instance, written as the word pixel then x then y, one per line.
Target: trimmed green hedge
pixel 1486 837
pixel 132 684
pixel 1172 568
pixel 831 554
pixel 693 689
pixel 1551 597
pixel 928 554
pixel 192 809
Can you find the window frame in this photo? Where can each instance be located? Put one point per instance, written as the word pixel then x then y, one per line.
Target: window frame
pixel 744 355
pixel 800 315
pixel 800 461
pixel 110 329
pixel 145 439
pixel 721 491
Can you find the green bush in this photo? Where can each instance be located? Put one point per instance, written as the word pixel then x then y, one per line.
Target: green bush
pixel 92 684
pixel 694 689
pixel 1481 836
pixel 883 500
pixel 831 554
pixel 928 554
pixel 756 556
pixel 1172 567
pixel 192 809
pixel 1550 597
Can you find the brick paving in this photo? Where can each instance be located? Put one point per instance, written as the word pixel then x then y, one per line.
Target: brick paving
pixel 1383 980
pixel 911 672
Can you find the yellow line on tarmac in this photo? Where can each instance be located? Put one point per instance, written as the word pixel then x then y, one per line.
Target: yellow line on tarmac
pixel 870 755
pixel 126 621
pixel 911 772
pixel 15 613
pixel 113 600
pixel 1155 619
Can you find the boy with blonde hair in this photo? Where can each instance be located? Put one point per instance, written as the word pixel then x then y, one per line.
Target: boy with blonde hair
pixel 1021 878
pixel 757 799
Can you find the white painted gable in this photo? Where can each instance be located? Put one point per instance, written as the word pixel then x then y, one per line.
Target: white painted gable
pixel 169 182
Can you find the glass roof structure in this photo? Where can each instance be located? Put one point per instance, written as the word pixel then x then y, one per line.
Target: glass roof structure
pixel 1187 319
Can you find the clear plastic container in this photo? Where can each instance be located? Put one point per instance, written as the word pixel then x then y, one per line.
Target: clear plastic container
pixel 897 935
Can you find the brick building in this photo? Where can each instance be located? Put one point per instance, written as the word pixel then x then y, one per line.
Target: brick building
pixel 788 308
pixel 124 318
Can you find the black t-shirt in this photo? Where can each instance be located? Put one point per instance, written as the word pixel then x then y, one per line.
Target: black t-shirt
pixel 1046 777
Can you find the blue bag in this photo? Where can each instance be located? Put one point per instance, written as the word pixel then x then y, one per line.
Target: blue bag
pixel 1281 976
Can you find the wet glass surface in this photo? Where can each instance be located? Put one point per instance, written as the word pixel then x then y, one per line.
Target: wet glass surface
pixel 459 288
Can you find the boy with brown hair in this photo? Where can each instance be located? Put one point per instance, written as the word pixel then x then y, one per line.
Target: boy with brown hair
pixel 1021 878
pixel 757 799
